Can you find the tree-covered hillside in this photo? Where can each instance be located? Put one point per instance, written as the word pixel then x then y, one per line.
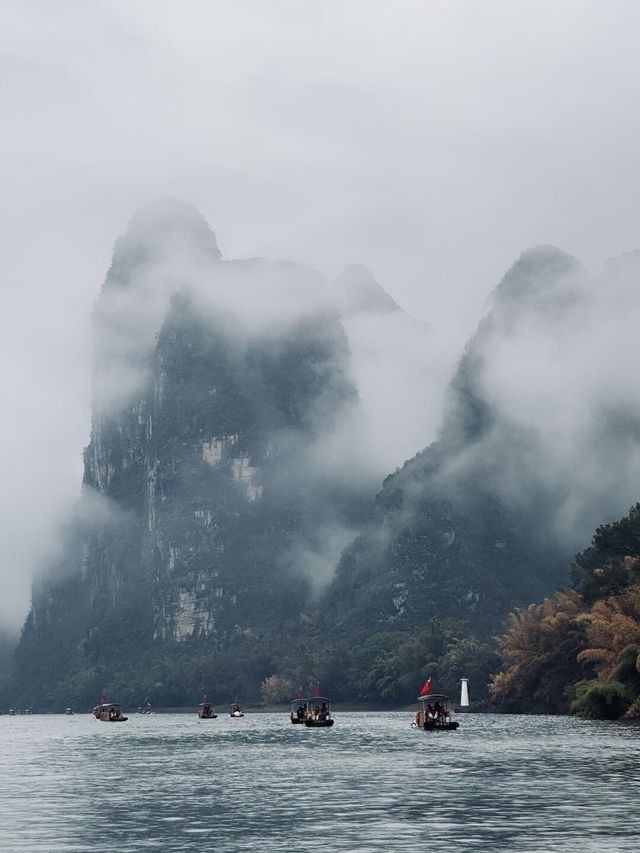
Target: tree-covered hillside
pixel 580 650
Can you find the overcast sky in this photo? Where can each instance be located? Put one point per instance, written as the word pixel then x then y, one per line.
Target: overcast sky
pixel 430 141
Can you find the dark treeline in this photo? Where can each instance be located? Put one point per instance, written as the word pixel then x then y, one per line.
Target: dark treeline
pixel 385 670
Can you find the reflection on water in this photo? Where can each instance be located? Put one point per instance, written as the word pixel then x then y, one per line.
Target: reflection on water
pixel 371 783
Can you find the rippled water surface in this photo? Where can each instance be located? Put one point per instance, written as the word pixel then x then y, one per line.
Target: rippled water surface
pixel 174 783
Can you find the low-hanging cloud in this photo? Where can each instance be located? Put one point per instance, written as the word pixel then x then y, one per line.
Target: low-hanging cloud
pixel 398 364
pixel 556 367
pixel 380 375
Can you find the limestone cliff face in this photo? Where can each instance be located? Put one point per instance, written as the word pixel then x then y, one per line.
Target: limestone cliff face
pixel 210 458
pixel 202 478
pixel 465 529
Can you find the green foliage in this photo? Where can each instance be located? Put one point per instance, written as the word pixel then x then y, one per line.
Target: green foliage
pixel 469 658
pixel 598 701
pixel 539 654
pixel 622 537
pixel 596 626
pixel 612 563
pixel 390 667
pixel 626 668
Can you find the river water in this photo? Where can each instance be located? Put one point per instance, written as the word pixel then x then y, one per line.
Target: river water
pixel 170 782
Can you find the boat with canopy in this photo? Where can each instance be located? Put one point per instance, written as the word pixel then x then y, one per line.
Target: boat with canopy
pixel 434 713
pixel 109 712
pixel 318 711
pixel 205 710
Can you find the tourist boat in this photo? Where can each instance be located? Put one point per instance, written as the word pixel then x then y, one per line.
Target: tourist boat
pixel 235 710
pixel 319 713
pixel 205 710
pixel 145 709
pixel 68 712
pixel 434 713
pixel 109 712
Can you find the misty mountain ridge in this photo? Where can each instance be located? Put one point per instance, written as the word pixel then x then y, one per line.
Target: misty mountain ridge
pixel 488 516
pixel 244 415
pixel 224 475
pixel 355 289
pixel 159 230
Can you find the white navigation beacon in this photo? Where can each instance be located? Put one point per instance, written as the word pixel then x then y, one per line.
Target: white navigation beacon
pixel 464 693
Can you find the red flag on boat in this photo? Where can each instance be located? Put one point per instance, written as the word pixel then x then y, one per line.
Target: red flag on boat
pixel 300 693
pixel 317 693
pixel 427 687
